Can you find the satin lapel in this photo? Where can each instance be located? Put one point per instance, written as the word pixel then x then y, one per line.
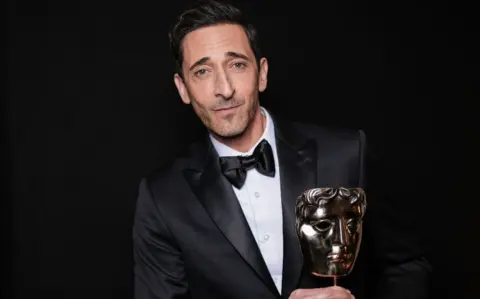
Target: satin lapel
pixel 298 172
pixel 217 196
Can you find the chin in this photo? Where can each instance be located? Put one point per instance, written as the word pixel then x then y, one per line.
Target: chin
pixel 228 130
pixel 230 133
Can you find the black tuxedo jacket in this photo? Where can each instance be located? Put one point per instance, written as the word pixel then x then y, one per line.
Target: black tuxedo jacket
pixel 191 239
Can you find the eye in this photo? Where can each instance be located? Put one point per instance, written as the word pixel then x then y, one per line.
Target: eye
pixel 201 72
pixel 323 225
pixel 239 65
pixel 352 224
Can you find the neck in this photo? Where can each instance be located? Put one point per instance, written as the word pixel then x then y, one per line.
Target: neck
pixel 245 141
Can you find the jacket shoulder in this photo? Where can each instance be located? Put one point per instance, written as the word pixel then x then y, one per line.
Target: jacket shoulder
pixel 330 133
pixel 171 171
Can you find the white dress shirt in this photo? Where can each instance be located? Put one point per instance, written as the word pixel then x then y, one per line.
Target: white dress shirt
pixel 260 199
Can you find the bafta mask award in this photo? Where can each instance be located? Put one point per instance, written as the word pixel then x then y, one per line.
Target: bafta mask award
pixel 329 228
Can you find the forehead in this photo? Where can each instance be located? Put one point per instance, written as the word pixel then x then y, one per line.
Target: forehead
pixel 215 41
pixel 336 208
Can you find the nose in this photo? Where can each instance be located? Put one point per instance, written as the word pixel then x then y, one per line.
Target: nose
pixel 340 233
pixel 223 86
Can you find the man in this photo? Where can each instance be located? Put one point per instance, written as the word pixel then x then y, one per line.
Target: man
pixel 219 221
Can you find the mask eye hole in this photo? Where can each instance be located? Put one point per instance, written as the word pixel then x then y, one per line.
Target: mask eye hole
pixel 323 225
pixel 352 224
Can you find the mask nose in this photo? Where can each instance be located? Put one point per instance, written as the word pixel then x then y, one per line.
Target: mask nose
pixel 340 233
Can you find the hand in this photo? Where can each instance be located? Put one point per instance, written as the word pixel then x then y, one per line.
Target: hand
pixel 334 292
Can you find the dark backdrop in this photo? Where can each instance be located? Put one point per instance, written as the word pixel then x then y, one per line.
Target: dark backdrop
pixel 92 108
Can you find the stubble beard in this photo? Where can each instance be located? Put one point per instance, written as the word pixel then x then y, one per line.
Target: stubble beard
pixel 230 127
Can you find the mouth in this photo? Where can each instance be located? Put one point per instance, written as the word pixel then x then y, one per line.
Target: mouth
pixel 337 258
pixel 226 110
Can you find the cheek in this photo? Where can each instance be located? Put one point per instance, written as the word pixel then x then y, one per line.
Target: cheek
pixel 354 239
pixel 245 85
pixel 200 94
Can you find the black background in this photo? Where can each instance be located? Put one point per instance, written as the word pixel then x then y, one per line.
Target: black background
pixel 92 107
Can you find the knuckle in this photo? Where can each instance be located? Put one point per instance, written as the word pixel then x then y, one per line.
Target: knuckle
pixel 330 292
pixel 296 293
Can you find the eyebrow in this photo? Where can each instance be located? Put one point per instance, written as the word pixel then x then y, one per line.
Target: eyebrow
pixel 227 54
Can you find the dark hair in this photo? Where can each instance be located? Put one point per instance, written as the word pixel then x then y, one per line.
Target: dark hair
pixel 207 13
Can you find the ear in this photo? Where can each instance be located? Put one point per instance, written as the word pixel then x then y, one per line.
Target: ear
pixel 262 74
pixel 181 88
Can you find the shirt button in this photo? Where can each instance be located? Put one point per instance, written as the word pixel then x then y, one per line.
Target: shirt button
pixel 257 194
pixel 266 237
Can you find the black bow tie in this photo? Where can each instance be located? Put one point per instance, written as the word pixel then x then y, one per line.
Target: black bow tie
pixel 235 168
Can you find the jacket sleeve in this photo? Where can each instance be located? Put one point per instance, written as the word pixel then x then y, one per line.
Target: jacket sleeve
pixel 158 265
pixel 393 231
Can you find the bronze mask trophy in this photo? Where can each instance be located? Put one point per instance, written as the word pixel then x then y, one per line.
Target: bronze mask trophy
pixel 329 228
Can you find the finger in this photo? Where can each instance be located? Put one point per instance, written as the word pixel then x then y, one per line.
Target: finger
pixel 343 292
pixel 307 293
pixel 334 293
pixel 340 288
pixel 302 293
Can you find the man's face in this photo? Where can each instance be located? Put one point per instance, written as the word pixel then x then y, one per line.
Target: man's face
pixel 221 78
pixel 330 235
